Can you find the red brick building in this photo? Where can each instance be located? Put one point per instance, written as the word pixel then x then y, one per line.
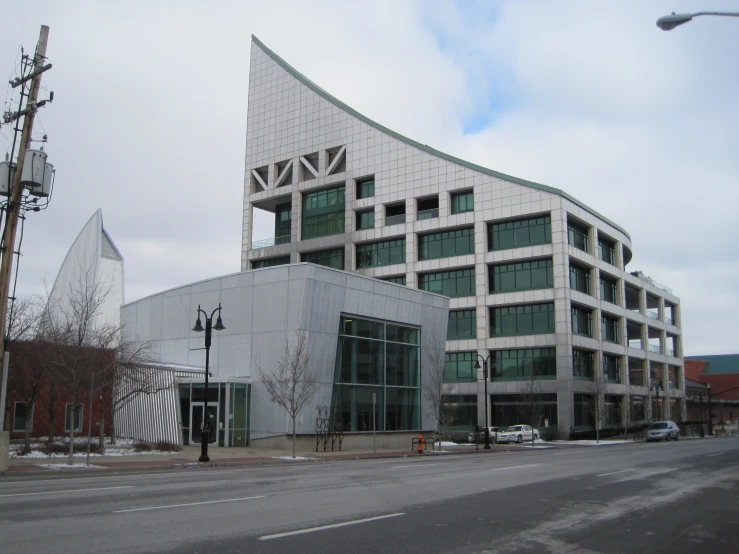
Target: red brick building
pixel 719 374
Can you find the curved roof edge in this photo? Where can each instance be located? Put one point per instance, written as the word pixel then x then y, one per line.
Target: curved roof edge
pixel 425 147
pixel 98 216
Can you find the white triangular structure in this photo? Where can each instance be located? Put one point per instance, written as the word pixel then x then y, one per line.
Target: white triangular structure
pixel 92 259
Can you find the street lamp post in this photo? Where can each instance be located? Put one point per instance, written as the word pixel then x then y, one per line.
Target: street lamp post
pixel 198 329
pixel 485 377
pixel 710 415
pixel 669 22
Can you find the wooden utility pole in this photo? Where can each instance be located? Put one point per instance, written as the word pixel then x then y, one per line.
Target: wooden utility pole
pixel 14 204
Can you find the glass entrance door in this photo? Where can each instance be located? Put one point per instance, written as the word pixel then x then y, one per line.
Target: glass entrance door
pixel 196 422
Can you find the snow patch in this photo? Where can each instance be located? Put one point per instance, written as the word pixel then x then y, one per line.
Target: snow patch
pixel 67 466
pixel 291 459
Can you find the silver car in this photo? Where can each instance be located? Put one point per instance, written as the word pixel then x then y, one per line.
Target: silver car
pixel 518 433
pixel 481 435
pixel 663 430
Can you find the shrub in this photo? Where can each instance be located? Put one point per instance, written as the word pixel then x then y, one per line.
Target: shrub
pixel 167 446
pixel 63 448
pixel 142 446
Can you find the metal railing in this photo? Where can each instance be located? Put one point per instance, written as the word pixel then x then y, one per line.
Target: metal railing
pixel 394 219
pixel 264 243
pixel 669 320
pixel 670 352
pixel 428 214
pixel 653 315
pixel 654 348
pixel 635 344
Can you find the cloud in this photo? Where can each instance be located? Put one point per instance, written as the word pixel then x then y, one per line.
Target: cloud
pixel 149 122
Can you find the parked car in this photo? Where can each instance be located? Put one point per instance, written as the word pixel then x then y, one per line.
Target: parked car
pixel 663 430
pixel 518 433
pixel 494 432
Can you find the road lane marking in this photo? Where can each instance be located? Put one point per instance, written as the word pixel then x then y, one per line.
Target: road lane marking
pixel 513 467
pixel 643 451
pixel 187 504
pixel 615 472
pixel 415 465
pixel 61 492
pixel 716 454
pixel 324 527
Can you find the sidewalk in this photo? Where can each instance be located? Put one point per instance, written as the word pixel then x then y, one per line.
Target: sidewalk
pixel 219 457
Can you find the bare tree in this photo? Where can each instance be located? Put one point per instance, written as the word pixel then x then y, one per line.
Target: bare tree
pixel 291 384
pixel 435 390
pixel 531 409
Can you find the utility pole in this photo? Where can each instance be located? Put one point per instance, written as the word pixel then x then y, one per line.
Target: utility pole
pixel 13 212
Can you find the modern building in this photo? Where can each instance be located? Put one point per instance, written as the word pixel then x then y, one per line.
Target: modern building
pixel 537 280
pixel 366 338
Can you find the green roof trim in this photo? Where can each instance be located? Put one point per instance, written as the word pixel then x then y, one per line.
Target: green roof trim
pixel 425 147
pixel 718 364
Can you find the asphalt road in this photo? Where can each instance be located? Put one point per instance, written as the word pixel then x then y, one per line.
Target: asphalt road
pixel 676 497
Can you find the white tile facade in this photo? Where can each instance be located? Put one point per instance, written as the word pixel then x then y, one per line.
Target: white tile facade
pixel 289 117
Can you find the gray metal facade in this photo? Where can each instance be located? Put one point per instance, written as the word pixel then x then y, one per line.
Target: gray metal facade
pixel 292 120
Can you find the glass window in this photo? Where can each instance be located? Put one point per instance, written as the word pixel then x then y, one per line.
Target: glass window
pixel 376 254
pixel 584 419
pixel 445 244
pixel 460 367
pixel 510 409
pixel 463 202
pixel 607 250
pixel 577 236
pixel 399 280
pixel 77 418
pixel 271 262
pixel 323 213
pixel 283 216
pixel 608 290
pixel 529 319
pixel 464 410
pixel 366 188
pixel 524 364
pixel 381 358
pixel 330 258
pixel 366 220
pixel 19 417
pixel 455 284
pixel 462 325
pixel 609 328
pixel 583 364
pixel 611 410
pixel 611 368
pixel 579 278
pixel 521 276
pixel 582 321
pixel 522 232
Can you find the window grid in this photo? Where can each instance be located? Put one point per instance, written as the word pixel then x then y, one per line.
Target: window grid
pixel 525 364
pixel 365 188
pixel 454 284
pixel 611 368
pixel 377 254
pixel 609 290
pixel 577 236
pixel 462 325
pixel 330 258
pixel 528 319
pixel 579 278
pixel 607 250
pixel 522 232
pixel 463 202
pixel 366 220
pixel 323 213
pixel 582 323
pixel 446 244
pixel 270 262
pixel 583 363
pixel 609 329
pixel 399 280
pixel 459 367
pixel 521 276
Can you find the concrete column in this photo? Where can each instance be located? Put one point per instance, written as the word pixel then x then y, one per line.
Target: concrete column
pixel 619 254
pixel 661 308
pixel 4 450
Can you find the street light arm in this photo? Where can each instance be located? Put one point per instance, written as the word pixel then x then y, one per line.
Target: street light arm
pixel 669 22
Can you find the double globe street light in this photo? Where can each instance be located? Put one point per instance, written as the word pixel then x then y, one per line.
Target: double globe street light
pixel 485 378
pixel 219 326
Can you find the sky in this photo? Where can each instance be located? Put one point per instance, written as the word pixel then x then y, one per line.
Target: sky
pixel 148 122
